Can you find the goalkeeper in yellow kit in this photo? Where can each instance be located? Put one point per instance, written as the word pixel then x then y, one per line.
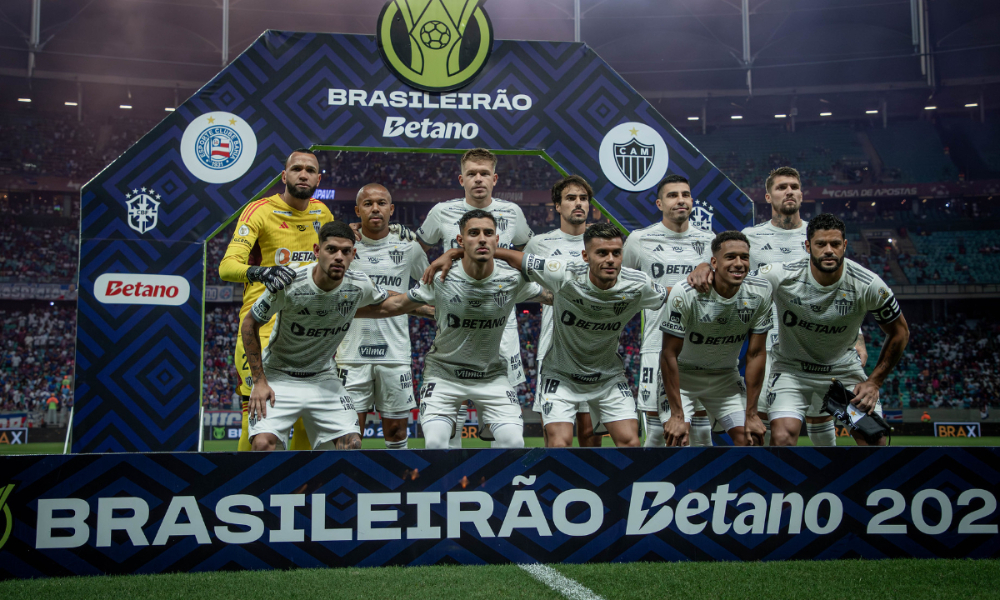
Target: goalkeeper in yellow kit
pixel 279 231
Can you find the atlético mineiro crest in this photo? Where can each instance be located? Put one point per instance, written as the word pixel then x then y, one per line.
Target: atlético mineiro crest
pixel 501 298
pixel 698 246
pixel 143 209
pixel 702 215
pixel 843 305
pixel 744 313
pixel 620 307
pixel 396 255
pixel 634 159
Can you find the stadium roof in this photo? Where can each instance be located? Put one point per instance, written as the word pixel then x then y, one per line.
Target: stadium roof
pixel 683 50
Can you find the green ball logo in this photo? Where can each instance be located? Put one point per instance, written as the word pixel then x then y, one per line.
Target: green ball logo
pixel 434 45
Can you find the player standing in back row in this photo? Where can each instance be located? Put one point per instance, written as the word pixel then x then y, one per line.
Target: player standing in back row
pixel 668 251
pixel 822 301
pixel 783 239
pixel 278 234
pixel 571 197
pixel 373 361
pixel 478 177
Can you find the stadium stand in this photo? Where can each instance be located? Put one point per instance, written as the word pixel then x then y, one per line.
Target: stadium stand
pixel 36 360
pixel 38 255
pixel 912 152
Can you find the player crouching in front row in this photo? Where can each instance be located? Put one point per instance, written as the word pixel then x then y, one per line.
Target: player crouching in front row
pixel 701 350
pixel 296 374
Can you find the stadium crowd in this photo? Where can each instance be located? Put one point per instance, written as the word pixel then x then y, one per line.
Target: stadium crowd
pixel 38 255
pixel 36 364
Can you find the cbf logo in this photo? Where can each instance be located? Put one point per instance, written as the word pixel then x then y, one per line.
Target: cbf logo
pixel 434 45
pixel 8 519
pixel 218 147
pixel 143 210
pixel 633 156
pixel 702 215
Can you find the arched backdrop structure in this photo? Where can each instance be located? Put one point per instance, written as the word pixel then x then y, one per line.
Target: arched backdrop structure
pixel 138 371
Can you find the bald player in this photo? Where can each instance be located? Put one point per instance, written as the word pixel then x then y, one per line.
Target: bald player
pixel 373 360
pixel 274 236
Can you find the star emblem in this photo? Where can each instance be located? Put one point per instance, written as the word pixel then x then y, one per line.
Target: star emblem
pixel 232 121
pixel 634 131
pixel 211 120
pixel 135 191
pixel 144 189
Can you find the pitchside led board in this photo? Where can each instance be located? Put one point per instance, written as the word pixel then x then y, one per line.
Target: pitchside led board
pixel 433 79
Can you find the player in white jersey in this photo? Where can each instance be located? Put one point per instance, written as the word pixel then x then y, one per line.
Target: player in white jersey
pixel 296 373
pixel 571 197
pixel 478 177
pixel 782 239
pixel 701 350
pixel 373 361
pixel 473 304
pixel 821 303
pixel 668 251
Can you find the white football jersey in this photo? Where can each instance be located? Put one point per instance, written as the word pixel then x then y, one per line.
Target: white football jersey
pixel 714 328
pixel 441 226
pixel 818 325
pixel 668 258
pixel 311 322
pixel 770 244
pixel 389 263
pixel 563 246
pixel 590 320
pixel 471 315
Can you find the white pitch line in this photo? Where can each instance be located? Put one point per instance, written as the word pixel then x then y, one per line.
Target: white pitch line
pixel 564 585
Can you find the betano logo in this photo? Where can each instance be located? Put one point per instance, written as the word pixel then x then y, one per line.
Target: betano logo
pixel 132 288
pixel 435 45
pixel 8 520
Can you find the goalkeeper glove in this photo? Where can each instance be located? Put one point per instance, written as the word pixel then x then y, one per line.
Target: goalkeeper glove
pixel 275 278
pixel 402 231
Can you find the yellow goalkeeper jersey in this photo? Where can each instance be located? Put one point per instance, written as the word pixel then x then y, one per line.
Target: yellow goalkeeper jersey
pixel 275 234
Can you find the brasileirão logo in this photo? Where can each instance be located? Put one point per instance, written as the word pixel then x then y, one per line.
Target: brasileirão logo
pixel 435 45
pixel 5 511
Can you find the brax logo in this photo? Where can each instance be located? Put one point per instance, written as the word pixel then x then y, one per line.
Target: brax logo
pixel 132 288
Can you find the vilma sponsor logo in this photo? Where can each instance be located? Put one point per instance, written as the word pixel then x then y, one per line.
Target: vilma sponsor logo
pixel 218 147
pixel 434 45
pixel 132 288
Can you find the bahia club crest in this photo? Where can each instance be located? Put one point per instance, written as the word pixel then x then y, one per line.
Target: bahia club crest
pixel 435 45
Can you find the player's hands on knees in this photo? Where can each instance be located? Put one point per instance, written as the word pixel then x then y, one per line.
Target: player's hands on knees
pixel 865 396
pixel 754 430
pixel 701 278
pixel 259 397
pixel 274 278
pixel 676 431
pixel 442 264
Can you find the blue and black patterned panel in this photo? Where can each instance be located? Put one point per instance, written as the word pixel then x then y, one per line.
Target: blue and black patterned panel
pixel 279 91
pixel 537 505
pixel 138 365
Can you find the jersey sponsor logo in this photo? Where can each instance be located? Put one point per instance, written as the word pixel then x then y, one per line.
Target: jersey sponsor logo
pixel 143 211
pixel 474 303
pixel 284 213
pixel 702 215
pixel 316 212
pixel 697 338
pixel 677 248
pixel 587 377
pixel 373 260
pixel 455 322
pixel 815 308
pixel 570 320
pixel 132 288
pixel 300 227
pixel 396 256
pixel 318 332
pixel 785 250
pixel 790 320
pixel 469 374
pixel 386 280
pixel 536 263
pixel 843 305
pixel 218 147
pixel 633 156
pixel 721 320
pixel 284 256
pixel 658 270
pixel 809 367
pixel 261 307
pixel 674 322
pixel 376 351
